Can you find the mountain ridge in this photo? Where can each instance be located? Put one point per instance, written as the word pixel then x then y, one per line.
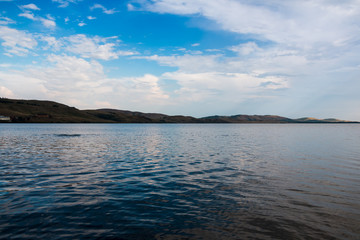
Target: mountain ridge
pixel 43 111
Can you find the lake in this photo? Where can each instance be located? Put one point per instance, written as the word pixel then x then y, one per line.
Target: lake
pixel 179 181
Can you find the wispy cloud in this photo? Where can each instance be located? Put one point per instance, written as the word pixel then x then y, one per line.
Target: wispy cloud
pixel 16 42
pixel 6 20
pixel 205 77
pixel 48 22
pixel 245 48
pixel 20 43
pixel 30 6
pixel 65 3
pixel 95 47
pixel 51 43
pixel 130 7
pixel 27 15
pixel 279 22
pixel 104 9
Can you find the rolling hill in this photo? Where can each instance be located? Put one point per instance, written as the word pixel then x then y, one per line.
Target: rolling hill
pixel 36 111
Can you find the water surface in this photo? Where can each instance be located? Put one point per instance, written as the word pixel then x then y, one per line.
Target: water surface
pixel 175 181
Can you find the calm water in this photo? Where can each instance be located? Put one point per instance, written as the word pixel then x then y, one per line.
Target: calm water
pixel 131 181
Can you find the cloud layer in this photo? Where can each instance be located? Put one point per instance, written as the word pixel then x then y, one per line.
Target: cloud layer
pixel 283 58
pixel 298 21
pixel 294 45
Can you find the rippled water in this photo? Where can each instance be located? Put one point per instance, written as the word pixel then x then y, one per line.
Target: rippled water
pixel 164 181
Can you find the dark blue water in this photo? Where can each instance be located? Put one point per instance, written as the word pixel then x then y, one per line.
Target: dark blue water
pixel 163 181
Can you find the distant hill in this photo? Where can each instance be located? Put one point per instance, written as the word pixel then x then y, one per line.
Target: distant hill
pixel 327 120
pixel 248 119
pixel 121 116
pixel 35 111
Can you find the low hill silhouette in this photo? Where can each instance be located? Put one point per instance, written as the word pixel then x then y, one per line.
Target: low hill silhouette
pixel 36 111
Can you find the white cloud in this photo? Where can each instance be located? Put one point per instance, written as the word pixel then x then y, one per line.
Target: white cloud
pixel 66 79
pixel 187 63
pixel 30 6
pixel 205 78
pixel 95 47
pixel 287 78
pixel 20 43
pixel 195 44
pixel 130 7
pixel 91 47
pixel 50 17
pixel 27 15
pixel 148 87
pixel 300 22
pixel 16 42
pixel 104 9
pixel 83 83
pixel 245 48
pixel 91 17
pixel 126 53
pixel 81 24
pixel 224 87
pixel 47 22
pixel 314 29
pixel 292 45
pixel 69 73
pixel 5 65
pixel 6 20
pixel 5 92
pixel 52 43
pixel 20 85
pixel 65 3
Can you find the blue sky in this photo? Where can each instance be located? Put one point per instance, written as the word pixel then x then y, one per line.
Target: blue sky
pixel 191 57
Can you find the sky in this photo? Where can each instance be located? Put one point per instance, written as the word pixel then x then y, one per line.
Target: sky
pixel 298 58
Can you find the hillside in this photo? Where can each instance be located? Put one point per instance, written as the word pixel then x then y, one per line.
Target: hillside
pixel 122 116
pixel 248 119
pixel 36 111
pixel 315 120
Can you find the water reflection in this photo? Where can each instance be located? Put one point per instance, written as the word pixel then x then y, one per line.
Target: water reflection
pixel 179 181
